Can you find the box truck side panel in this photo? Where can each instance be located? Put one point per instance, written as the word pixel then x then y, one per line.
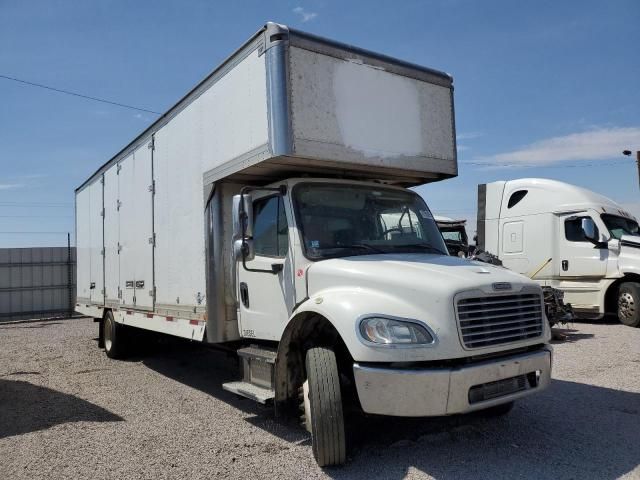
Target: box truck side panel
pixel 347 111
pixel 231 117
pixel 136 229
pixel 179 201
pixel 111 237
pixel 83 246
pixel 96 256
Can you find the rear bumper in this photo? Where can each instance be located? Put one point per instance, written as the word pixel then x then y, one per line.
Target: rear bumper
pixel 446 391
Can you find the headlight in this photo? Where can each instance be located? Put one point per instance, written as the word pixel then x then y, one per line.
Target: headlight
pixel 388 331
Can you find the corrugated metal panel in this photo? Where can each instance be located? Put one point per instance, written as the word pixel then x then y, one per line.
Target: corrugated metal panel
pixel 37 282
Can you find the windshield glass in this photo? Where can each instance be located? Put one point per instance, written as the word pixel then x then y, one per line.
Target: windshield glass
pixel 452 235
pixel 619 226
pixel 343 220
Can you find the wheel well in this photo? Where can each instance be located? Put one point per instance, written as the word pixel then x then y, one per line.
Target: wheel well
pixel 305 331
pixel 611 296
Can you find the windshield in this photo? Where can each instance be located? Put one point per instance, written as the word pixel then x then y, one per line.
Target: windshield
pixel 619 226
pixel 453 235
pixel 343 220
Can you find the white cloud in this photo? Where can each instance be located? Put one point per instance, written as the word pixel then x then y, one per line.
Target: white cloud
pixel 304 15
pixel 10 186
pixel 597 144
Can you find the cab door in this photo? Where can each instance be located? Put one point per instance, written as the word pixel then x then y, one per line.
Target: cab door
pixel 578 258
pixel 266 299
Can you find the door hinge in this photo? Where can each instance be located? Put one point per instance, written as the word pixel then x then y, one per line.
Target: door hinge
pixel 102 180
pixel 119 292
pixel 118 168
pixel 152 187
pixel 152 240
pixel 102 213
pixel 152 144
pixel 102 252
pixel 152 292
pixel 119 248
pixel 134 299
pixel 118 205
pixel 103 291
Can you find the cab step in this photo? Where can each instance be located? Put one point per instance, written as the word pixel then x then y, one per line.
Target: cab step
pixel 257 374
pixel 249 390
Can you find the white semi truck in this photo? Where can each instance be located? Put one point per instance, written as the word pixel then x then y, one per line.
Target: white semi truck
pixel 567 237
pixel 267 212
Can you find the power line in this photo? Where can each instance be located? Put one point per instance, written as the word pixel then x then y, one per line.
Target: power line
pixel 67 92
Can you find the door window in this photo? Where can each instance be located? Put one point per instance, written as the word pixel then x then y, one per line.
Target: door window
pixel 270 234
pixel 573 230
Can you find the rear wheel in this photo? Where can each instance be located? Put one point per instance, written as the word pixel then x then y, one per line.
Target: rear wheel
pixel 114 337
pixel 629 304
pixel 322 404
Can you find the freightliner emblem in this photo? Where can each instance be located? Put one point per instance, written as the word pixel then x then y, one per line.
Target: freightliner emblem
pixel 502 286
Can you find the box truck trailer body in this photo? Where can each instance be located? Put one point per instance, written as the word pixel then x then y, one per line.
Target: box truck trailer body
pixel 268 210
pixel 535 224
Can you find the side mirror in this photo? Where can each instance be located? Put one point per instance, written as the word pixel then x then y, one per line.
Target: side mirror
pixel 589 229
pixel 242 216
pixel 243 250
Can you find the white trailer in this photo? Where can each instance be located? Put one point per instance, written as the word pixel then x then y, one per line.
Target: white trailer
pixel 267 211
pixel 569 238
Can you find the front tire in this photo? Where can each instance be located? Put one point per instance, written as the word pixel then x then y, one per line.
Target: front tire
pixel 322 402
pixel 629 304
pixel 114 337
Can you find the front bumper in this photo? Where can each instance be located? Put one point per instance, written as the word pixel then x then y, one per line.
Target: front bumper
pixel 446 391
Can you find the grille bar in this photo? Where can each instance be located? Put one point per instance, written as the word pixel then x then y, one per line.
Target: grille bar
pixel 520 320
pixel 495 320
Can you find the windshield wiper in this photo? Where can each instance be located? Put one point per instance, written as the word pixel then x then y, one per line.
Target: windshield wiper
pixel 423 246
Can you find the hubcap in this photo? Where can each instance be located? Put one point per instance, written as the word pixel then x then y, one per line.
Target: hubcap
pixel 626 305
pixel 108 334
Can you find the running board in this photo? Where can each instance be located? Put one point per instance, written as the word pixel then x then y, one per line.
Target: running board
pixel 249 390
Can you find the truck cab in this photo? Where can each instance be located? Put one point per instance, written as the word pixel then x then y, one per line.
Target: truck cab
pixel 573 239
pixel 454 234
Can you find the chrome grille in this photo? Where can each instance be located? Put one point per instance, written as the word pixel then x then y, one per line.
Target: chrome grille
pixel 487 321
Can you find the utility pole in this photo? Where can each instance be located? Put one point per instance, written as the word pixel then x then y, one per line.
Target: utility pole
pixel 628 154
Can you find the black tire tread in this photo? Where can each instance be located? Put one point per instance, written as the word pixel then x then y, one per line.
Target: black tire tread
pixel 327 420
pixel 119 341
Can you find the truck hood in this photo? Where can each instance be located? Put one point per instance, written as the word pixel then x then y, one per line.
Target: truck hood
pixel 412 273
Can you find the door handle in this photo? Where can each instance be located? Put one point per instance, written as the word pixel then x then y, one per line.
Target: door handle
pixel 244 294
pixel 565 265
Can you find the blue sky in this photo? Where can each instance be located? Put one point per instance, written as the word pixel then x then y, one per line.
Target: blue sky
pixel 542 88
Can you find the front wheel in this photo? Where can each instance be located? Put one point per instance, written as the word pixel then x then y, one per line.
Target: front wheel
pixel 629 304
pixel 322 404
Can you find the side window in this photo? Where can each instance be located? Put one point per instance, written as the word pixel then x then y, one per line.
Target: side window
pixel 573 230
pixel 515 198
pixel 270 234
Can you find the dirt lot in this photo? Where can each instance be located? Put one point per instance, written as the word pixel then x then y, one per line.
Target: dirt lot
pixel 67 411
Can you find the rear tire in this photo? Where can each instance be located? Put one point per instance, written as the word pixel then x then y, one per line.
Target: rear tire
pixel 629 304
pixel 114 336
pixel 322 401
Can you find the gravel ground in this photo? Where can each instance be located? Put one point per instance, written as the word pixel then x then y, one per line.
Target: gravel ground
pixel 67 411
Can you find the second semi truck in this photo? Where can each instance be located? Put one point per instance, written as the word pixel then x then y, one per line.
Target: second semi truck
pixel 268 211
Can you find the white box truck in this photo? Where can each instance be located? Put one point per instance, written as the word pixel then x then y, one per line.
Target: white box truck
pixel 268 211
pixel 571 238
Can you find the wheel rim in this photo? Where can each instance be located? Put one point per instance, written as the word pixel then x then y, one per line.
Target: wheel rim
pixel 626 306
pixel 108 333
